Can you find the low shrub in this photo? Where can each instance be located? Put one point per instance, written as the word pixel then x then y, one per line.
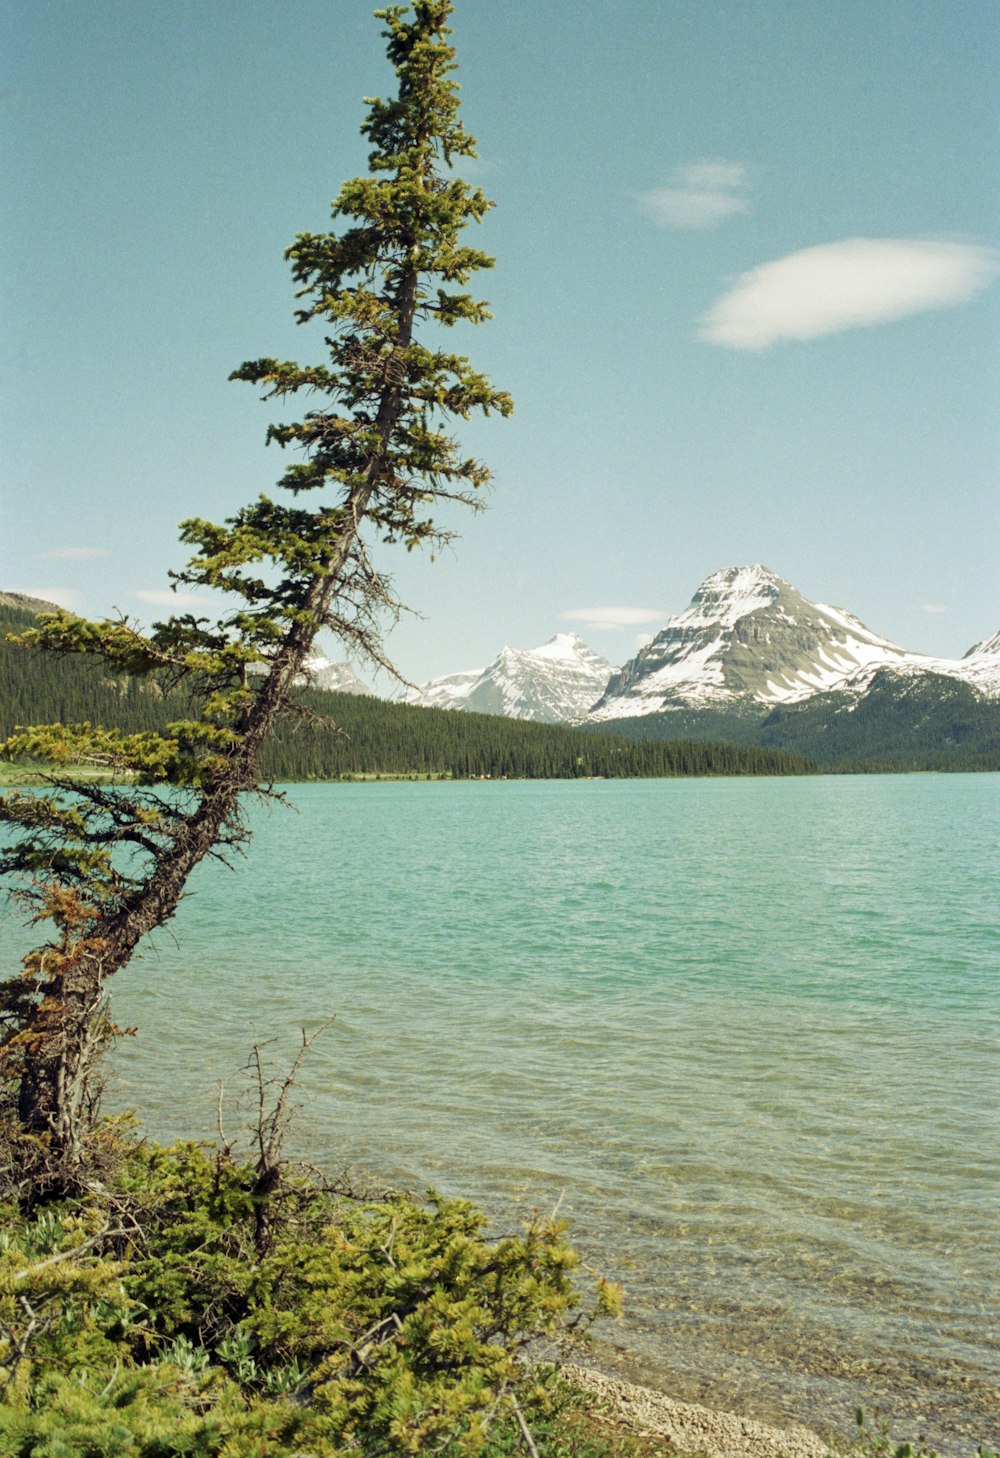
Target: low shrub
pixel 144 1318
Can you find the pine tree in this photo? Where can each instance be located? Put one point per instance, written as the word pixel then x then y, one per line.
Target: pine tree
pixel 107 864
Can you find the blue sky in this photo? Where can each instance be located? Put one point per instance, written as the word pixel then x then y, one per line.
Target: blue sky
pixel 747 300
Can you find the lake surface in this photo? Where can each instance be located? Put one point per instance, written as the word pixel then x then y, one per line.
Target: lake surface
pixel 746 1030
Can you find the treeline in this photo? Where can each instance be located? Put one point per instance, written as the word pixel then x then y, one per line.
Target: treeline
pixel 383 738
pixel 927 723
pixel 344 735
pixel 38 688
pixel 930 723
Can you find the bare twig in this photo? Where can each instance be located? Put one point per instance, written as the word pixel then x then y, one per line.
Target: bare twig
pixel 226 1143
pixel 529 1441
pixel 67 1255
pixel 271 1128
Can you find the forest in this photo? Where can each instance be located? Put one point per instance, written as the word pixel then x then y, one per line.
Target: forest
pixel 338 736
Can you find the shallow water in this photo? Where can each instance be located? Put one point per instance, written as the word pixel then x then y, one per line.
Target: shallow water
pixel 746 1030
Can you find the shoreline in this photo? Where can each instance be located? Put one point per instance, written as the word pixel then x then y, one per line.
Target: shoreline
pixel 688 1427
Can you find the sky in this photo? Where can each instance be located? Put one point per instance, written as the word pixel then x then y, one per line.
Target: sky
pixel 746 298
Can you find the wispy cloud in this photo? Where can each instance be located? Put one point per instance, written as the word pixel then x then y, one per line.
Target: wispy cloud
pixel 846 285
pixel 64 597
pixel 163 597
pixel 477 169
pixel 74 554
pixel 608 619
pixel 698 195
pixel 936 610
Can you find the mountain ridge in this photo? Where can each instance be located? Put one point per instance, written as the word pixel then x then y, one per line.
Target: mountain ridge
pixel 555 683
pixel 750 662
pixel 749 638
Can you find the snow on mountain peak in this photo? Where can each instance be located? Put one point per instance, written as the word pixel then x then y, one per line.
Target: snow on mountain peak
pixel 989 647
pixel 734 592
pixel 323 673
pixel 748 641
pixel 558 681
pixel 749 638
pixel 563 646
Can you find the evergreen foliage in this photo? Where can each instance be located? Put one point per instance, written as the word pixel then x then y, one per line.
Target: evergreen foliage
pixel 144 1319
pixel 106 864
pixel 933 722
pixel 902 723
pixel 336 735
pixel 400 739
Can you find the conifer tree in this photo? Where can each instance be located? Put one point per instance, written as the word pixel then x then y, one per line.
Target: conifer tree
pixel 104 864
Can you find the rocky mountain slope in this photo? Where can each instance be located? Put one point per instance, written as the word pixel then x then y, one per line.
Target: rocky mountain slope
pixel 556 683
pixel 751 661
pixel 749 641
pixel 335 677
pixel 23 604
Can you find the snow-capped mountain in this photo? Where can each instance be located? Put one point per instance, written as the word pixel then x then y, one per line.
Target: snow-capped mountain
pixel 551 684
pixel 324 673
pixel 750 640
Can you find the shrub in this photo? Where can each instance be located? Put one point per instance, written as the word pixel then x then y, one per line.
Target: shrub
pixel 144 1319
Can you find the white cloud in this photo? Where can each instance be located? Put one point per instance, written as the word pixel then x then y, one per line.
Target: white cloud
pixel 74 554
pixel 476 169
pixel 698 195
pixel 608 619
pixel 163 597
pixel 935 609
pixel 643 640
pixel 846 285
pixel 64 597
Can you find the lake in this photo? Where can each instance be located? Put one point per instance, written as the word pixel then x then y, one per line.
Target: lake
pixel 746 1031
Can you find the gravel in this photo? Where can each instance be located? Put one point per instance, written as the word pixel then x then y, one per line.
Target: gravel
pixel 689 1428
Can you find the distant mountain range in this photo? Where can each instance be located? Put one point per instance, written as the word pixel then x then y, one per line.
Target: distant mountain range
pixel 752 661
pixel 750 640
pixel 749 661
pixel 555 684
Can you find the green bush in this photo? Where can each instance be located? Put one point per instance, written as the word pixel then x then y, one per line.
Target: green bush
pixel 146 1320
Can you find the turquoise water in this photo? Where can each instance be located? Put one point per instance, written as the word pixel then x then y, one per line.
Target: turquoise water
pixel 745 1030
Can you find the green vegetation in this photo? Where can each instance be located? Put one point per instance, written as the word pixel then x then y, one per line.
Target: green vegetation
pixel 106 864
pixel 160 1314
pixel 901 724
pixel 930 723
pixel 371 738
pixel 400 739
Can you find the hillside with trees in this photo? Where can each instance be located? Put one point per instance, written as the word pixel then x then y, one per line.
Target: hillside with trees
pixel 349 735
pixel 903 723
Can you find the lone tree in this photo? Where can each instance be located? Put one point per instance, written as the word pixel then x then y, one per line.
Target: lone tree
pixel 105 864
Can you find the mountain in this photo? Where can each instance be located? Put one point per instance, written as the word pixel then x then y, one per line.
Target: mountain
pixel 324 673
pixel 375 738
pixel 552 684
pixel 337 678
pixel 24 604
pixel 749 641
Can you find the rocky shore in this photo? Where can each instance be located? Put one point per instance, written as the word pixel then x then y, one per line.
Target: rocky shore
pixel 687 1427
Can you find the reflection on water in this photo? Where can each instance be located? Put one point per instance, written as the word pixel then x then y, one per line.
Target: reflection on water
pixel 746 1030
